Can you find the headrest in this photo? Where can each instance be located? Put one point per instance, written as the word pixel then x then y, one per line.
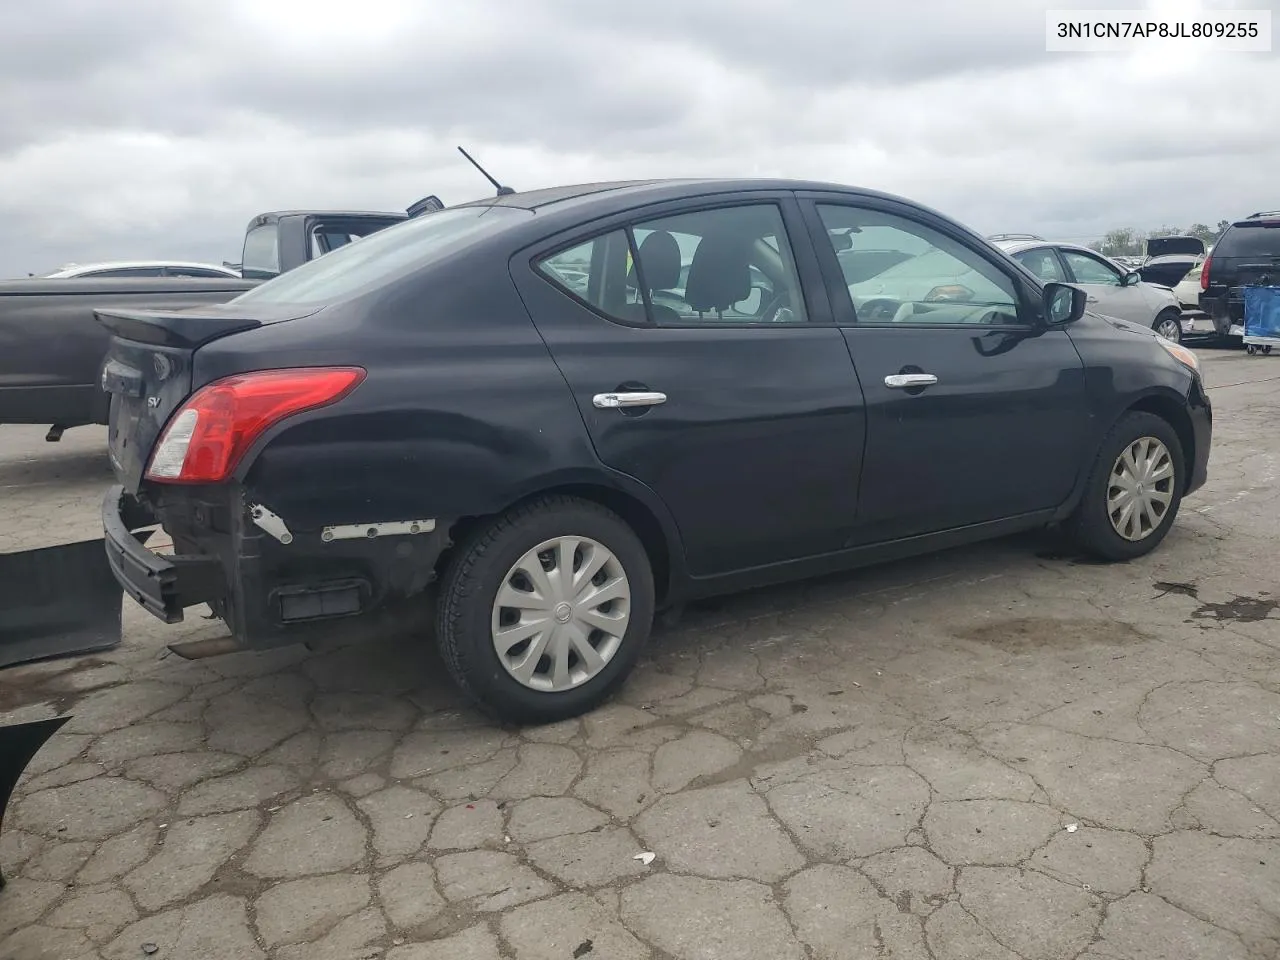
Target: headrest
pixel 720 274
pixel 659 256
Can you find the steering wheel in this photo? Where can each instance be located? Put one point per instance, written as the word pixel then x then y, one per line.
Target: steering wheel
pixel 879 310
pixel 778 309
pixel 905 312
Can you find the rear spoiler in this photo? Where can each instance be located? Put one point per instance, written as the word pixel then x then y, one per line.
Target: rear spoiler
pixel 170 329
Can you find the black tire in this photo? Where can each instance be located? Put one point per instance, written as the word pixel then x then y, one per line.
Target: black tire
pixel 469 587
pixel 1164 316
pixel 1089 526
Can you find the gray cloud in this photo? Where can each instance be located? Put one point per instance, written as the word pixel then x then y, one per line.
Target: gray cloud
pixel 149 128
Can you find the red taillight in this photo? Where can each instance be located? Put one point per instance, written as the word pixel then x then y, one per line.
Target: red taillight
pixel 207 436
pixel 1204 274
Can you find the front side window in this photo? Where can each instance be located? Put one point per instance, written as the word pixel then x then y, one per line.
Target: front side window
pixel 724 265
pixel 901 271
pixel 1043 262
pixel 1087 269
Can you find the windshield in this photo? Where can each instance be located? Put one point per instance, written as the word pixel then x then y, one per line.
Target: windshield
pixel 382 255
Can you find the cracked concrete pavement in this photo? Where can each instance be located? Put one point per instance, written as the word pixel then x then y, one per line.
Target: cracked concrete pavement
pixel 987 754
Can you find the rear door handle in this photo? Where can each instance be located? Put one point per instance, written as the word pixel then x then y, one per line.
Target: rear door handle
pixel 638 398
pixel 903 381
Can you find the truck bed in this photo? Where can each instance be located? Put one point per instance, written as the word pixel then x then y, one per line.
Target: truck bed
pixel 52 348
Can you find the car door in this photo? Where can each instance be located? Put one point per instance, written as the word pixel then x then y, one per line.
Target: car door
pixel 976 411
pixel 698 344
pixel 1102 282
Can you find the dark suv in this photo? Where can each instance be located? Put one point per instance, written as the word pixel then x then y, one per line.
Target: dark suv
pixel 545 416
pixel 1247 254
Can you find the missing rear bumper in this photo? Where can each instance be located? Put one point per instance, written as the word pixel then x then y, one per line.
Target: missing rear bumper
pixel 163 585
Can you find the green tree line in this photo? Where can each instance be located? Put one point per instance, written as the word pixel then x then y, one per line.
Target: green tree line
pixel 1129 242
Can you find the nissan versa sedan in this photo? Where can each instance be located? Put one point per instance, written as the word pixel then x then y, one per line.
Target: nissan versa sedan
pixel 542 417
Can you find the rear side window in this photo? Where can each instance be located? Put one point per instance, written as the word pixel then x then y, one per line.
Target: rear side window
pixel 261 257
pixel 730 264
pixel 1250 240
pixel 383 255
pixel 600 272
pixel 1043 262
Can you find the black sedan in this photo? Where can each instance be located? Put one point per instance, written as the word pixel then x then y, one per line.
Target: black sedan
pixel 544 416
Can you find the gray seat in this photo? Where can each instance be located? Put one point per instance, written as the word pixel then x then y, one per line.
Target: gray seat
pixel 720 274
pixel 659 262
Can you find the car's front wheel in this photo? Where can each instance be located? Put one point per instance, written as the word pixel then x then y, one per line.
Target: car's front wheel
pixel 1169 325
pixel 1133 490
pixel 543 611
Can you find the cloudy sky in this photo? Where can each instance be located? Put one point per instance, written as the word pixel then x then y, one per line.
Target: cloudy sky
pixel 157 128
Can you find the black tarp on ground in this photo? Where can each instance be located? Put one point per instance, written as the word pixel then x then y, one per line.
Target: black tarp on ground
pixel 19 742
pixel 56 602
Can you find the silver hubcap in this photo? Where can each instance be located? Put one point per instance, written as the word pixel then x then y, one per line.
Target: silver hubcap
pixel 1169 328
pixel 1141 489
pixel 561 613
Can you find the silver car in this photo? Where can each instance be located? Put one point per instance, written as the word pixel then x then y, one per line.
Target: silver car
pixel 1112 289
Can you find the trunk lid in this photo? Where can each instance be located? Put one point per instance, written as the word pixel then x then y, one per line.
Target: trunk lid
pixel 148 371
pixel 1162 246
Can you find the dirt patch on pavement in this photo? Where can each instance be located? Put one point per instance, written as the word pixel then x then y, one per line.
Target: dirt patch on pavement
pixel 1033 633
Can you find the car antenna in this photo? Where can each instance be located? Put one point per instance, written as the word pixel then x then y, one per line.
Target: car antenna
pixel 502 191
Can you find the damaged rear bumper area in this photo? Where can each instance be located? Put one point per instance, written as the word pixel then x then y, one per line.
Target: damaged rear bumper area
pixel 271 585
pixel 163 585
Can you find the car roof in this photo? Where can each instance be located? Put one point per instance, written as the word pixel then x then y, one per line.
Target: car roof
pixel 622 194
pixel 271 215
pixel 1017 246
pixel 73 268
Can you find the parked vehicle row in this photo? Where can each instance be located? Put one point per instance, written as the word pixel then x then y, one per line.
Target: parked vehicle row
pixel 1111 289
pixel 544 416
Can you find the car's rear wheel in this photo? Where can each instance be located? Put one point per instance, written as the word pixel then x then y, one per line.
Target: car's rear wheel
pixel 1133 491
pixel 1169 325
pixel 543 612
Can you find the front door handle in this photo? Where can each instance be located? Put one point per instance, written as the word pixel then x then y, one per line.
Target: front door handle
pixel 904 381
pixel 637 398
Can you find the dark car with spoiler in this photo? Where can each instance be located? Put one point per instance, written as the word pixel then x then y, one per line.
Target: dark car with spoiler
pixel 544 416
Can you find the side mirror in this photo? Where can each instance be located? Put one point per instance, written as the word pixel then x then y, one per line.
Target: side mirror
pixel 1130 278
pixel 1063 303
